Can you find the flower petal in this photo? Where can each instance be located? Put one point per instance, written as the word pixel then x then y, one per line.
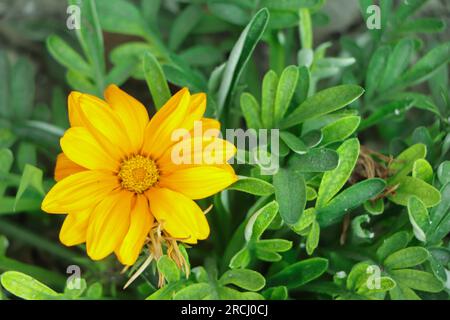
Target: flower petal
pixel 199 150
pixel 141 221
pixel 81 147
pixel 65 167
pixel 73 104
pixel 158 134
pixel 79 191
pixel 73 230
pixel 180 216
pixel 103 122
pixel 198 182
pixel 108 224
pixel 133 114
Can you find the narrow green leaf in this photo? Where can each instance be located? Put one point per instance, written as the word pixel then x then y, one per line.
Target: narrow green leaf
pixel 404 162
pixel 251 111
pixel 312 240
pixel 290 192
pixel 260 220
pixel 323 102
pixel 26 287
pixel 285 91
pixel 269 91
pixel 334 180
pixel 156 80
pixel 393 243
pixel 315 160
pixel 417 280
pixel 348 199
pixel 183 25
pixel 253 186
pixel 422 170
pixel 405 258
pixel 418 216
pixel 243 278
pixel 409 186
pixel 299 273
pixel 169 269
pixel 294 143
pixel 239 56
pixel 68 57
pixel 340 129
pixel 31 176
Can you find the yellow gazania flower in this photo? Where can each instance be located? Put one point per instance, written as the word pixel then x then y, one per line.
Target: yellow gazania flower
pixel 115 178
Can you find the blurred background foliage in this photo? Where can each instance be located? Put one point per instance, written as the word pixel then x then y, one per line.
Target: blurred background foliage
pixel 367 174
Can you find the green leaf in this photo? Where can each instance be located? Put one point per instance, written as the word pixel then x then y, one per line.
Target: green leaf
pixel 334 180
pixel 323 102
pixel 397 63
pixel 241 259
pixel 386 111
pixel 251 111
pixel 440 217
pixel 443 172
pixel 253 186
pixel 374 207
pixel 290 4
pixel 156 80
pixel 425 67
pixel 269 91
pixel 277 245
pixel 6 161
pixel 375 70
pixel 294 143
pixel 404 162
pixel 299 273
pixel 422 170
pixel 427 25
pixel 26 287
pixel 285 91
pixel 76 289
pixel 348 199
pixel 392 244
pixel 417 280
pixel 260 220
pixel 243 278
pixel 276 293
pixel 301 92
pixel 405 258
pixel 357 228
pixel 123 17
pixel 169 269
pixel 409 186
pixel 67 56
pixel 5 71
pixel 22 88
pixel 312 240
pixel 31 176
pixel 418 216
pixel 183 25
pixel 95 291
pixel 290 192
pixel 315 160
pixel 196 291
pixel 305 27
pixel 306 219
pixel 340 129
pixel 90 37
pixel 239 56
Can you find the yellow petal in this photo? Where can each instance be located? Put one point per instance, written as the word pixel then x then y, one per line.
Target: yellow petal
pixel 81 147
pixel 100 119
pixel 133 114
pixel 141 221
pixel 199 150
pixel 73 104
pixel 79 191
pixel 65 167
pixel 108 224
pixel 210 127
pixel 197 107
pixel 180 216
pixel 158 134
pixel 73 230
pixel 198 182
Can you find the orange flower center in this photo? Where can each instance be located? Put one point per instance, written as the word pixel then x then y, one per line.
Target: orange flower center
pixel 138 173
